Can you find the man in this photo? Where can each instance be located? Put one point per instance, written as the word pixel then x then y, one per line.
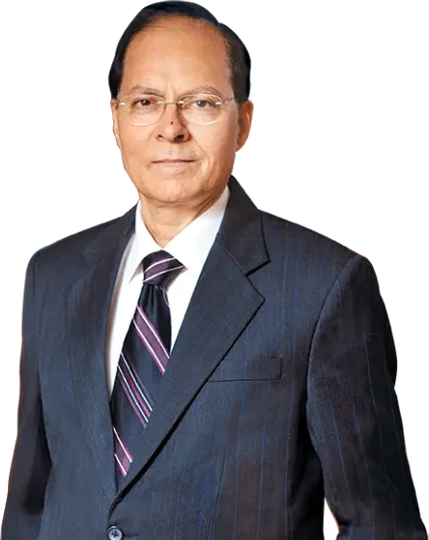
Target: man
pixel 199 368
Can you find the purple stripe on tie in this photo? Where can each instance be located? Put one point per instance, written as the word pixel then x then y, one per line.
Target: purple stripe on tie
pixel 122 455
pixel 132 400
pixel 159 270
pixel 150 338
pixel 121 448
pixel 132 403
pixel 138 381
pixel 121 466
pixel 152 277
pixel 161 261
pixel 136 394
pixel 155 269
pixel 144 322
pixel 137 391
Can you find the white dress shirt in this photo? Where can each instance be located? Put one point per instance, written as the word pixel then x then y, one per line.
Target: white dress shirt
pixel 190 246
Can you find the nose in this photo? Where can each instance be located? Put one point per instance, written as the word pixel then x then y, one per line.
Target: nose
pixel 172 112
pixel 171 125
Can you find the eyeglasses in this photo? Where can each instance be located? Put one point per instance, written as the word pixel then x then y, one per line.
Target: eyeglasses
pixel 145 110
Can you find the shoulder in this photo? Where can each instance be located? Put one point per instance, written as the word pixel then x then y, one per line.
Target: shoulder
pixel 298 242
pixel 68 252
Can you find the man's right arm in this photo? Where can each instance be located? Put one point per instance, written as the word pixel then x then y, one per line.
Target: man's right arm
pixel 31 462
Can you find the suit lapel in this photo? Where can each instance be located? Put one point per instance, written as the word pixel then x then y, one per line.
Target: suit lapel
pixel 223 302
pixel 88 302
pixel 222 305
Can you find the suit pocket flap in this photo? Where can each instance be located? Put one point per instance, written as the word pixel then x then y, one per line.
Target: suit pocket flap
pixel 260 369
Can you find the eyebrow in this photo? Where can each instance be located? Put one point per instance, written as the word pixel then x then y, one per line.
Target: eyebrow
pixel 205 88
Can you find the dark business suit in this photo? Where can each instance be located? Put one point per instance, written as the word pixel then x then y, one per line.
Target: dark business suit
pixel 279 391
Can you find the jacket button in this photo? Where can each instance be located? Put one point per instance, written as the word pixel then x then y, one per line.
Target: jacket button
pixel 115 533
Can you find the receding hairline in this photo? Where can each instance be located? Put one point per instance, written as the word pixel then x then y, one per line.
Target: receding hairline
pixel 159 24
pixel 179 21
pixel 161 18
pixel 162 21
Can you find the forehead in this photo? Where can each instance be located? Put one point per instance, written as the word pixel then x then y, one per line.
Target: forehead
pixel 179 53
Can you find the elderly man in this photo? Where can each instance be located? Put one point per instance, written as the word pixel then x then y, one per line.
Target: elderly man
pixel 198 368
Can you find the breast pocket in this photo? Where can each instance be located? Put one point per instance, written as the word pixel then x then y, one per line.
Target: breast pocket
pixel 255 369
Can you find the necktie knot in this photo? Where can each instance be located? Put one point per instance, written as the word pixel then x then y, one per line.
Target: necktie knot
pixel 160 268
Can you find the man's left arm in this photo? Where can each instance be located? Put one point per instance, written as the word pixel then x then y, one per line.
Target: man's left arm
pixel 353 414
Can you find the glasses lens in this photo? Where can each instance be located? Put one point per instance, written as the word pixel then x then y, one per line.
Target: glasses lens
pixel 201 109
pixel 144 110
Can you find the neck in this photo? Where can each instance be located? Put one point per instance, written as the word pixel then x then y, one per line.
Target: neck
pixel 164 221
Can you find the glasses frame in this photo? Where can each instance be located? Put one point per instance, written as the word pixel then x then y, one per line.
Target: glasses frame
pixel 179 103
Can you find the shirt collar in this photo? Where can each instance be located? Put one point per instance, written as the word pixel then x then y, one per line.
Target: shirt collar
pixel 190 246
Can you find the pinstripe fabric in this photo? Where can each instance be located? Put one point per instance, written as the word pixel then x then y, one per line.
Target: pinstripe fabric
pixel 279 393
pixel 143 359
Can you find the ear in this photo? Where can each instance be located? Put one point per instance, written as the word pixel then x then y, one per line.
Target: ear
pixel 114 109
pixel 245 112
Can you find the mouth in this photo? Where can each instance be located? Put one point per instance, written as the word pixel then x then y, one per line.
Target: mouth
pixel 173 163
pixel 168 161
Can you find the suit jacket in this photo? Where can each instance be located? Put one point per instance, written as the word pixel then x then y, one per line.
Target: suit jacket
pixel 279 392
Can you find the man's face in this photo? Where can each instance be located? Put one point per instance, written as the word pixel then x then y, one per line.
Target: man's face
pixel 174 56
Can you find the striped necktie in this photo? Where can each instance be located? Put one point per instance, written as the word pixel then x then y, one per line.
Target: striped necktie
pixel 143 358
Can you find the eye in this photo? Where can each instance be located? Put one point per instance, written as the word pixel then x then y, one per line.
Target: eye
pixel 203 103
pixel 143 102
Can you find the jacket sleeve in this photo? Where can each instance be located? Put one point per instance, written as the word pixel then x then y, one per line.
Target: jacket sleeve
pixel 353 415
pixel 31 463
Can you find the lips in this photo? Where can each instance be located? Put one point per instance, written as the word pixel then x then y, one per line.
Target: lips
pixel 173 161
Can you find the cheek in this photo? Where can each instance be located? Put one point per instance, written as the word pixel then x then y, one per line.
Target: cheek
pixel 228 137
pixel 228 143
pixel 219 146
pixel 133 144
